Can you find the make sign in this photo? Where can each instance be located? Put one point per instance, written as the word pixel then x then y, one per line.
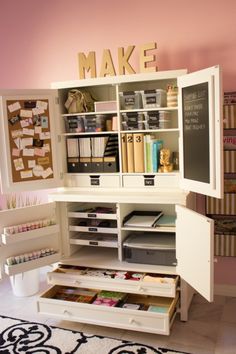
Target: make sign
pixel 147 63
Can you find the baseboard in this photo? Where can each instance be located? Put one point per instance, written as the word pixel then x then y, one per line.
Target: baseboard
pixel 225 290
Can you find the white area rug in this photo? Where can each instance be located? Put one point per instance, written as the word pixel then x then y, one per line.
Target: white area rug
pixel 23 337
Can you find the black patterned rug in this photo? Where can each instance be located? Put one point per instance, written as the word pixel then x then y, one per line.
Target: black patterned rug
pixel 24 337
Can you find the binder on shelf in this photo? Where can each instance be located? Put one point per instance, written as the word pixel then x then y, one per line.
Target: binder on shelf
pixel 138 139
pixel 85 147
pixel 72 147
pixel 148 150
pixel 130 152
pixel 124 153
pixel 156 147
pixel 98 145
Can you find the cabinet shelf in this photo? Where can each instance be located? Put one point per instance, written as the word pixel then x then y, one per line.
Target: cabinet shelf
pixel 149 109
pixel 88 113
pixel 90 133
pixel 150 229
pixel 99 258
pixel 167 130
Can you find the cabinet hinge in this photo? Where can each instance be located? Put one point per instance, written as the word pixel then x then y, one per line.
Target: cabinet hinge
pixel 57 100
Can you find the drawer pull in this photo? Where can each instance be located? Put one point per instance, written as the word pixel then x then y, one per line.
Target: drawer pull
pixel 66 312
pixel 140 288
pixel 131 321
pixel 77 282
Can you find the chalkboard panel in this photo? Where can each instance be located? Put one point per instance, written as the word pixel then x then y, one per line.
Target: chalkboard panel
pixel 195 104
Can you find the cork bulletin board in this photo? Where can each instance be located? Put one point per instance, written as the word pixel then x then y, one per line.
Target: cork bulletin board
pixel 30 139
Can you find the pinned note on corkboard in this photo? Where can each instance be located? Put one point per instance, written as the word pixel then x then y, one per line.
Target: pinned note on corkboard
pixel 30 139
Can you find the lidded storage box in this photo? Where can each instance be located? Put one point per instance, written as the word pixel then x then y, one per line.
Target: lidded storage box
pixel 150 248
pixel 130 100
pixel 132 120
pixel 151 120
pixel 154 98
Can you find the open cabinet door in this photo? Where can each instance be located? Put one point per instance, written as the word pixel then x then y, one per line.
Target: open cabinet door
pixel 29 125
pixel 201 127
pixel 30 238
pixel 195 250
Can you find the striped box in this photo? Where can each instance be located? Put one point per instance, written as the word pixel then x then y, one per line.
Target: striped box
pixel 230 161
pixel 229 121
pixel 221 206
pixel 225 245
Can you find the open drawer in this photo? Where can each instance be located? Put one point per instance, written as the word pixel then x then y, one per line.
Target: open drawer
pixel 136 283
pixel 146 320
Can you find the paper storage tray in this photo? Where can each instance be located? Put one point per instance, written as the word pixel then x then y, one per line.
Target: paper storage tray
pixel 94 239
pixel 92 213
pixel 167 180
pixel 154 98
pixel 149 284
pixel 91 228
pixel 137 320
pixel 130 100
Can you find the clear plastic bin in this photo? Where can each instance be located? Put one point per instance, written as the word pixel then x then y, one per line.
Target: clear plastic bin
pixel 130 100
pixel 74 124
pixel 95 123
pixel 154 98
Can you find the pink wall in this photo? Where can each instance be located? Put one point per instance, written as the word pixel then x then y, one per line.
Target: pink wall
pixel 40 40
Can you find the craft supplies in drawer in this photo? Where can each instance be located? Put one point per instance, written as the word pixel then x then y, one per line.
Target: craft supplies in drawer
pixel 114 309
pixel 130 100
pixel 154 98
pixel 114 279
